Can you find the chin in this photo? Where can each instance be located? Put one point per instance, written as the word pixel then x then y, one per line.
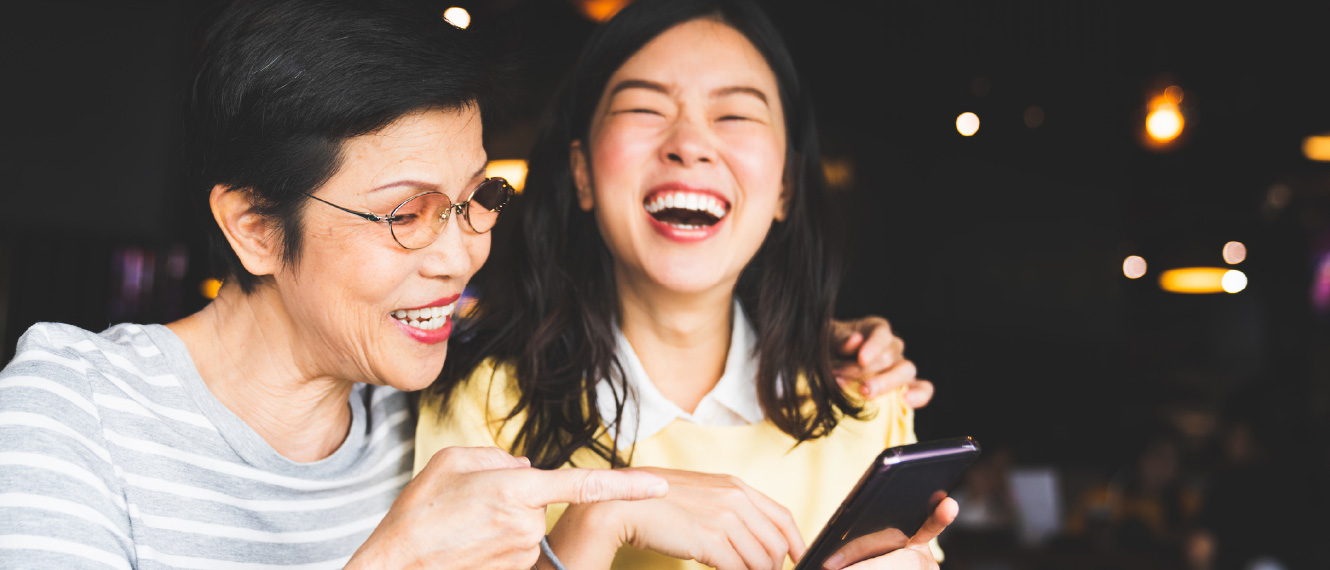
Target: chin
pixel 690 280
pixel 420 377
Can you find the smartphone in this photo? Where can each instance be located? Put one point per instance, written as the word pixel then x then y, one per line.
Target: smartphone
pixel 900 490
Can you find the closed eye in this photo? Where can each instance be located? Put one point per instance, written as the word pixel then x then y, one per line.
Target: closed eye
pixel 643 111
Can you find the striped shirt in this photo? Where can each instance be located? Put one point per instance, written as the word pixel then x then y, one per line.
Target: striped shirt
pixel 114 453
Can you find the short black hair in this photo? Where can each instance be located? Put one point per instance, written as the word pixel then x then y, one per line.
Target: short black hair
pixel 279 85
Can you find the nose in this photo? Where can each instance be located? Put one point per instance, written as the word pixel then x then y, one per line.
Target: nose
pixel 688 144
pixel 450 254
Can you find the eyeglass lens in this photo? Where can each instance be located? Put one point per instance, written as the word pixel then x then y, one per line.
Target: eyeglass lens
pixel 417 222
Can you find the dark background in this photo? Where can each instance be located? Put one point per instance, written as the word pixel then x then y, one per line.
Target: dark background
pixel 998 257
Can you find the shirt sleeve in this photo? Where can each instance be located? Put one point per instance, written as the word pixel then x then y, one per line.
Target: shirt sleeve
pixel 62 501
pixel 476 415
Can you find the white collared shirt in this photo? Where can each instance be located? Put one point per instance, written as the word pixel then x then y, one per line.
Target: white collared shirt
pixel 732 402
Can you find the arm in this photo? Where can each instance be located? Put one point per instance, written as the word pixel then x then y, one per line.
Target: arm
pixel 63 503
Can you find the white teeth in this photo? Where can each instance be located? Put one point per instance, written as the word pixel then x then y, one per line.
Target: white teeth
pixel 429 318
pixel 685 201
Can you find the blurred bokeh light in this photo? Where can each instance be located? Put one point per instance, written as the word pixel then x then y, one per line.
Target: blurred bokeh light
pixel 967 124
pixel 458 17
pixel 513 170
pixel 1235 252
pixel 1202 280
pixel 1134 267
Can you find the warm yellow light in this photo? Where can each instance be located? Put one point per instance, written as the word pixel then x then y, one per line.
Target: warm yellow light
pixel 1194 280
pixel 1234 281
pixel 458 17
pixel 513 170
pixel 600 10
pixel 967 124
pixel 1317 148
pixel 1234 252
pixel 1133 267
pixel 839 173
pixel 1164 123
pixel 209 288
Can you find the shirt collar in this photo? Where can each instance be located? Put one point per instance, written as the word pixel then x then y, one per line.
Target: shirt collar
pixel 646 411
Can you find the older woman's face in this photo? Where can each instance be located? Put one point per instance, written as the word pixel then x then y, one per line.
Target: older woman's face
pixel 685 159
pixel 352 277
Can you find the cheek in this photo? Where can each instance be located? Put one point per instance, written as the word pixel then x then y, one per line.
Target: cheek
pixel 618 155
pixel 759 168
pixel 479 249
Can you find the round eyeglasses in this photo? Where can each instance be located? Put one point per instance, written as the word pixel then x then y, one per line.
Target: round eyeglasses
pixel 417 222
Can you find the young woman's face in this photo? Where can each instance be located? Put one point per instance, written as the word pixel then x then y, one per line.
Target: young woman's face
pixel 685 159
pixel 370 310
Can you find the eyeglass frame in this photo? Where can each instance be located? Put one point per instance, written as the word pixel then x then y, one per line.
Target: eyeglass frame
pixel 448 212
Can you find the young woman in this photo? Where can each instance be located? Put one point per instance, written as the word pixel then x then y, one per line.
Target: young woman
pixel 663 302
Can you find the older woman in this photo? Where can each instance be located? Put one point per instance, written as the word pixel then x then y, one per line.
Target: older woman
pixel 662 302
pixel 339 146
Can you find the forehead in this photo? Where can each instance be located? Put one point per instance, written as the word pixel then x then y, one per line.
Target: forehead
pixel 700 53
pixel 439 143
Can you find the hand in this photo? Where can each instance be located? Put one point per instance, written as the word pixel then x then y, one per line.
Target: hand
pixel 716 520
pixel 874 359
pixel 900 553
pixel 482 508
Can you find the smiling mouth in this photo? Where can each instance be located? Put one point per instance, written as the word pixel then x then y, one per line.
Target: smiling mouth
pixel 686 210
pixel 427 319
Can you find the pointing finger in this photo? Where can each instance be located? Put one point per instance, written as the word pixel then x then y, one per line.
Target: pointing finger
pixel 582 486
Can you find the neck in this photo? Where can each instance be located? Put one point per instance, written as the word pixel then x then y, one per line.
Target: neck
pixel 249 355
pixel 682 339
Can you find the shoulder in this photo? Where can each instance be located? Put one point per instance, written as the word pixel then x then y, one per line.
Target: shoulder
pixel 55 361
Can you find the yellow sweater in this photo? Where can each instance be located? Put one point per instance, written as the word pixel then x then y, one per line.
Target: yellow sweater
pixel 810 479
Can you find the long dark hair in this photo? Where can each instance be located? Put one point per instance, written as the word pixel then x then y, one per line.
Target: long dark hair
pixel 548 304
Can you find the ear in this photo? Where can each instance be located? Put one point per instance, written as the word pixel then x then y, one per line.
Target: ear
pixel 581 166
pixel 249 233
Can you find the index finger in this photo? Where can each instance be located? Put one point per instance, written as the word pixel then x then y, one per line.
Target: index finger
pixel 582 486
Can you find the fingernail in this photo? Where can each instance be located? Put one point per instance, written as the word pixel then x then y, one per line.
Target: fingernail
pixel 834 562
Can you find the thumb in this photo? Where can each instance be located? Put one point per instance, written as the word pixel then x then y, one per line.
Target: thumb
pixel 582 486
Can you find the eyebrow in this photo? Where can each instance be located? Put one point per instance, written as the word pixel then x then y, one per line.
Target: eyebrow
pixel 660 88
pixel 638 84
pixel 740 89
pixel 480 172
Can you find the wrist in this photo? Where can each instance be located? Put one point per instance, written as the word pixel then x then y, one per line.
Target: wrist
pixel 587 536
pixel 375 553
